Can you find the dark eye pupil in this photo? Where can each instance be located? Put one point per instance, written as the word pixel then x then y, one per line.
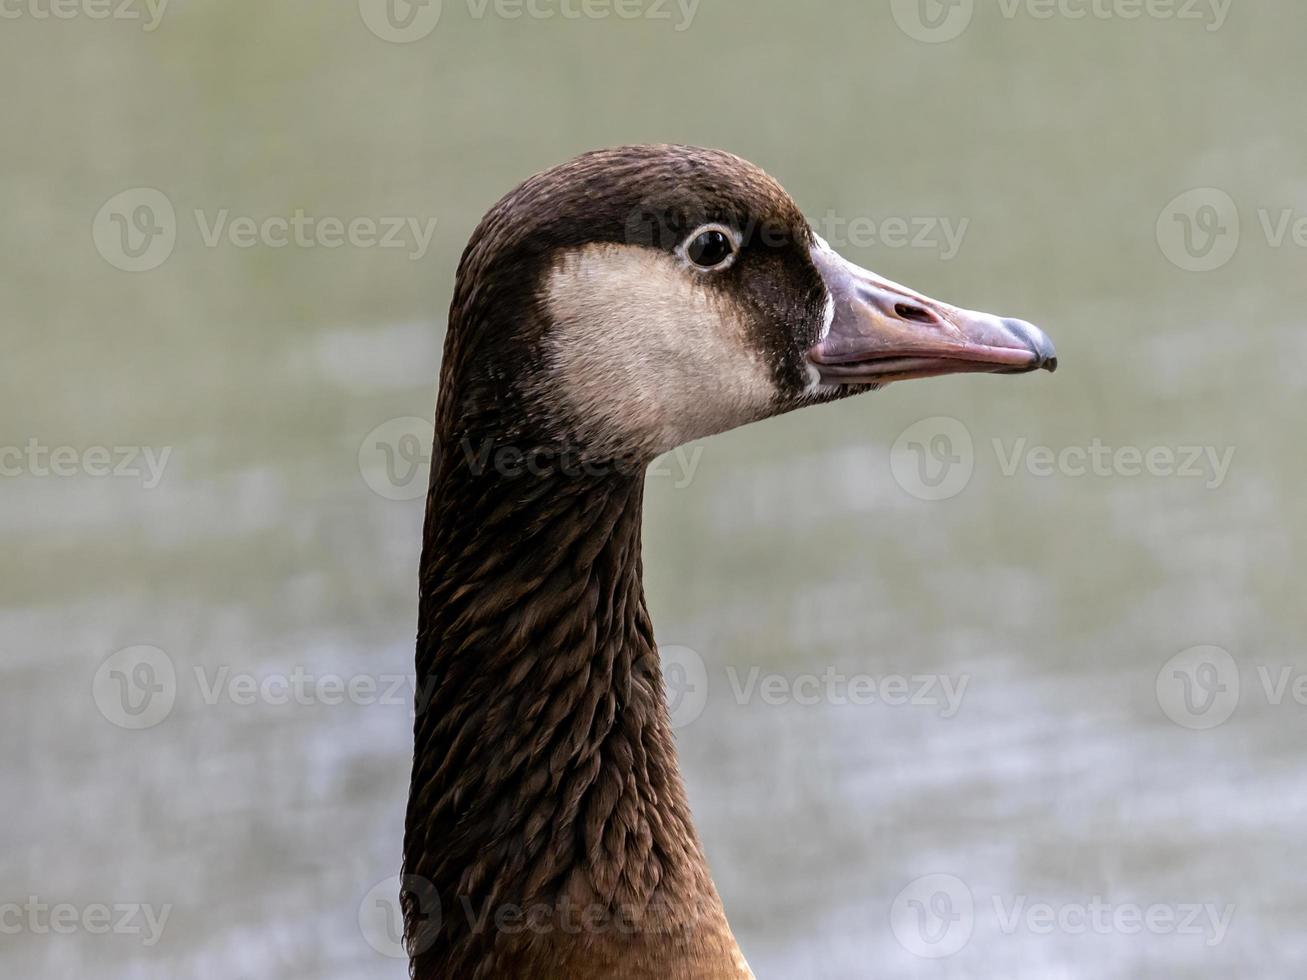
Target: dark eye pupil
pixel 710 249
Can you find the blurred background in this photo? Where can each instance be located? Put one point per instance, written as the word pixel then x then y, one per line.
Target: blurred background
pixel 976 677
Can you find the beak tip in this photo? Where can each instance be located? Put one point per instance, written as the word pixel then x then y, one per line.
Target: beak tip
pixel 1037 341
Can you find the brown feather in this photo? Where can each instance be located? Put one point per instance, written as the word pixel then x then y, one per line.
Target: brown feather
pixel 545 776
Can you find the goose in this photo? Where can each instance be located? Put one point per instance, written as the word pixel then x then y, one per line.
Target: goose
pixel 604 312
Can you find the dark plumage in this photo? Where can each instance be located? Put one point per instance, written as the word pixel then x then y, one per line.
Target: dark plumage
pixel 545 781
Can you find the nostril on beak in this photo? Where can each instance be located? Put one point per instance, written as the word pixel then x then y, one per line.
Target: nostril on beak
pixel 917 314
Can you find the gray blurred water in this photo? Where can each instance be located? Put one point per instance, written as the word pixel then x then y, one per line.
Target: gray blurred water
pixel 1091 757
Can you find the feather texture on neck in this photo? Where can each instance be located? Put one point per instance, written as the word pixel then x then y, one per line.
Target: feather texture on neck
pixel 545 785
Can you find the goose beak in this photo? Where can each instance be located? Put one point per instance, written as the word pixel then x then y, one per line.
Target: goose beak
pixel 884 332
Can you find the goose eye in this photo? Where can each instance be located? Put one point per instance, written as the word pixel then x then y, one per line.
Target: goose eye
pixel 710 249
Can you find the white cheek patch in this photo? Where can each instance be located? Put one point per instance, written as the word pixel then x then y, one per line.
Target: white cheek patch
pixel 644 355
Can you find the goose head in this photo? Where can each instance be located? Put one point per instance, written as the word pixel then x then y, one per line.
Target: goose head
pixel 638 298
pixel 605 312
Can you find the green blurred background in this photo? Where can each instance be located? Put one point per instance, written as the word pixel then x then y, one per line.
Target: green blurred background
pixel 1057 146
